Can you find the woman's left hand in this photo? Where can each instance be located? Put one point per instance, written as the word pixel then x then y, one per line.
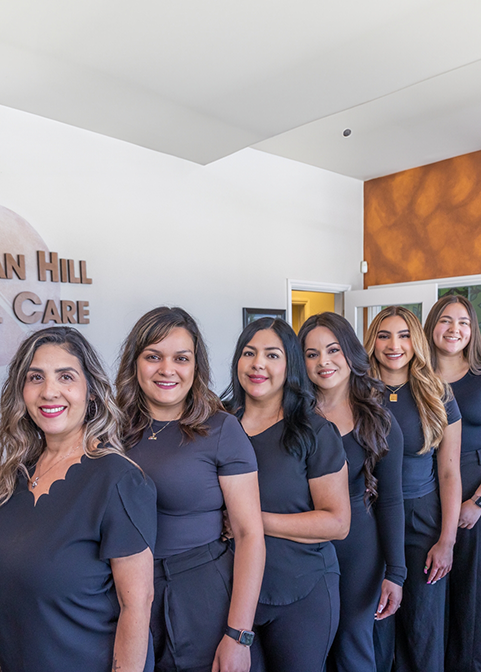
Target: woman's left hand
pixel 470 514
pixel 231 656
pixel 439 561
pixel 391 596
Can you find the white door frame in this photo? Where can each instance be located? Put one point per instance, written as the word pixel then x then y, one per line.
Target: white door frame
pixel 458 281
pixel 313 286
pixel 425 293
pixel 418 291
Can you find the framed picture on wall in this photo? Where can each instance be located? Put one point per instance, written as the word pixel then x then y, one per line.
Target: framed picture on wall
pixel 251 314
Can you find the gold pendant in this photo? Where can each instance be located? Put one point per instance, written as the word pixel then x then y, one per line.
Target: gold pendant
pixel 393 397
pixel 152 438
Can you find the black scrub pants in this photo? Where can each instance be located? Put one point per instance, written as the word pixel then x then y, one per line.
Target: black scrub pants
pixel 296 637
pixel 362 571
pixel 419 622
pixel 191 603
pixel 464 634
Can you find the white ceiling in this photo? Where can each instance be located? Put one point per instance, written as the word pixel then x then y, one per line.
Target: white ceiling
pixel 201 79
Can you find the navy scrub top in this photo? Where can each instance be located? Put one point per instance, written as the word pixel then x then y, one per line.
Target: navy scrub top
pixel 58 605
pixel 467 391
pixel 418 475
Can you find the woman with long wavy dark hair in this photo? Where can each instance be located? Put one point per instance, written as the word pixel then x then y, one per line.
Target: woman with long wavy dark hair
pixel 77 518
pixel 371 558
pixel 431 425
pixel 453 335
pixel 304 496
pixel 201 462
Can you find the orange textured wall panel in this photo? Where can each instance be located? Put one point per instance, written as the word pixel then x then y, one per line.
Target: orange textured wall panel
pixel 424 223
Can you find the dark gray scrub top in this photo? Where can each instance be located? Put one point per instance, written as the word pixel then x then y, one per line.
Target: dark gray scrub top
pixel 186 474
pixel 388 508
pixel 293 569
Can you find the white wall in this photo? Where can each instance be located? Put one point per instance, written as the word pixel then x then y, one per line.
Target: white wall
pixel 155 229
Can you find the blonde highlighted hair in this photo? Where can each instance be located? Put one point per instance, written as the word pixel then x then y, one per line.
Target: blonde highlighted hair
pixel 21 441
pixel 428 390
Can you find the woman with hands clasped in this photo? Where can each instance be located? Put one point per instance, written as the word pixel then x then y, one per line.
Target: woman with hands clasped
pixel 431 425
pixel 304 496
pixel 77 518
pixel 453 334
pixel 201 462
pixel 371 558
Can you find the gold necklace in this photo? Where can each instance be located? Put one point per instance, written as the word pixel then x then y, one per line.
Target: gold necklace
pixel 394 391
pixel 154 434
pixel 34 482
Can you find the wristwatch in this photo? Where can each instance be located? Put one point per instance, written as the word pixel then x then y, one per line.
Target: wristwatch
pixel 245 637
pixel 476 500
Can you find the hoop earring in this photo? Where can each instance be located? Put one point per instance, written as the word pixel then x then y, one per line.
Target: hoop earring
pixel 91 412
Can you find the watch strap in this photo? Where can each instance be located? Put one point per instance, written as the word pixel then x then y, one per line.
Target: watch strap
pixel 245 637
pixel 477 500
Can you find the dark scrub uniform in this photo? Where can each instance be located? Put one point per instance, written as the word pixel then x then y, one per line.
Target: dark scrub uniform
pixel 298 610
pixel 419 623
pixel 373 551
pixel 464 638
pixel 58 605
pixel 193 567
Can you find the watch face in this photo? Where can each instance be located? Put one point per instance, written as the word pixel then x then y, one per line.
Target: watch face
pixel 478 502
pixel 246 638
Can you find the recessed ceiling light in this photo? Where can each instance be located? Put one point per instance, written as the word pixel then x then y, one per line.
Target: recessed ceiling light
pixel 346 132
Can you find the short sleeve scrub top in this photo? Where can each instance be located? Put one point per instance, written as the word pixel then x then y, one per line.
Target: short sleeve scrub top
pixel 299 602
pixel 58 604
pixel 193 566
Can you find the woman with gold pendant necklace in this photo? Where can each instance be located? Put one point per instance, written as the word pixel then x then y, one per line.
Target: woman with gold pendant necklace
pixel 431 424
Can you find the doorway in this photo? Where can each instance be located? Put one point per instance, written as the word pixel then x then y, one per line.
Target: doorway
pixel 306 298
pixel 305 304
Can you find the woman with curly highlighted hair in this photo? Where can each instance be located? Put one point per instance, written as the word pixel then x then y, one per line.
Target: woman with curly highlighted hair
pixel 77 518
pixel 431 424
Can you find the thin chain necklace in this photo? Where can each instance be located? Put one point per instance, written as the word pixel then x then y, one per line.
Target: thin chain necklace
pixel 34 482
pixel 154 434
pixel 394 391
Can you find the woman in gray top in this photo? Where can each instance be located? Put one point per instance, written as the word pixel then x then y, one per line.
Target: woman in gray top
pixel 201 462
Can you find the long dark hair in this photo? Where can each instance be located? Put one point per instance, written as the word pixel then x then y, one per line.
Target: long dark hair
pixel 21 441
pixel 472 352
pixel 200 404
pixel 297 399
pixel 372 421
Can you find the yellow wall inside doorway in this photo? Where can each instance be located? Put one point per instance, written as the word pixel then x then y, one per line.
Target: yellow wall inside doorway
pixel 305 304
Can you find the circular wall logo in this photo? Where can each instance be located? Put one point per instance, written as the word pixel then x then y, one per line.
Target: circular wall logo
pixel 18 237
